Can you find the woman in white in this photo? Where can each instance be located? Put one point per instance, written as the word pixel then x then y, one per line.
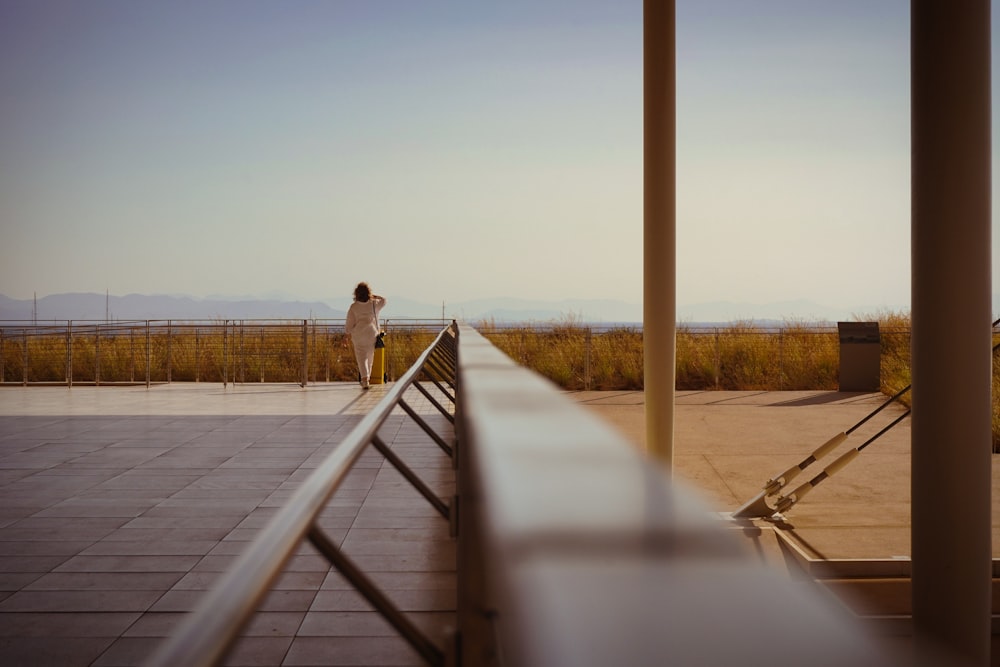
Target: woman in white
pixel 362 327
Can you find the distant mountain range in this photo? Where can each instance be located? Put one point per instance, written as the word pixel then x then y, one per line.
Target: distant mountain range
pixel 775 312
pixel 87 306
pixel 100 307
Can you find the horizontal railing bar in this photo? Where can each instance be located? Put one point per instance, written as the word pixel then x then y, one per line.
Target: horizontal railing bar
pixel 210 629
pixel 734 329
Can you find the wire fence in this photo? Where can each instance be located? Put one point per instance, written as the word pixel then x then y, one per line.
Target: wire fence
pixel 228 351
pixel 737 357
pixel 574 356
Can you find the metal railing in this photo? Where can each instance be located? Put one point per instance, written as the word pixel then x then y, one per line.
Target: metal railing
pixel 586 357
pixel 574 356
pixel 573 549
pixel 149 352
pixel 215 624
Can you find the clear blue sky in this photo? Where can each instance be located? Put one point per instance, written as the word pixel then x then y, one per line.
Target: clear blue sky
pixel 448 151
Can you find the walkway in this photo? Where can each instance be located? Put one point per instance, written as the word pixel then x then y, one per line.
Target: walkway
pixel 729 443
pixel 119 506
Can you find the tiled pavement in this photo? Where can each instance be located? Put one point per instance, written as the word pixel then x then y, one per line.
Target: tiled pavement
pixel 728 443
pixel 119 506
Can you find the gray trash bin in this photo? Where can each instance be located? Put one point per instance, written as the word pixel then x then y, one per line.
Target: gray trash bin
pixel 860 356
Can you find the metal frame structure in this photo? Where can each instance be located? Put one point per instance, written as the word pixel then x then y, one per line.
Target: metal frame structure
pixel 574 549
pixel 214 625
pixel 758 506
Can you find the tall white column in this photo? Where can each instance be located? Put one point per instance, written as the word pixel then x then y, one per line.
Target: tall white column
pixel 659 203
pixel 950 237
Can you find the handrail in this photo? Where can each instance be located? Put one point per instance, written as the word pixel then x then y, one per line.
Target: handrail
pixel 214 625
pixel 576 550
pixel 73 352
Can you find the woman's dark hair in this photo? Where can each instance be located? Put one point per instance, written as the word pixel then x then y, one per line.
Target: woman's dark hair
pixel 362 292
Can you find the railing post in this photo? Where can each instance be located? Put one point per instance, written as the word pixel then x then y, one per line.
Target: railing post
pixel 260 355
pixel 149 353
pixel 718 358
pixel 391 353
pixel 24 357
pixel 235 353
pixel 69 355
pixel 168 352
pixel 131 354
pixel 243 353
pixel 781 358
pixel 586 358
pixel 3 359
pixel 225 358
pixel 315 351
pixel 197 354
pixel 97 355
pixel 305 351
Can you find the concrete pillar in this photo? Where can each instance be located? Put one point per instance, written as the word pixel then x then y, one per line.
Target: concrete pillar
pixel 950 236
pixel 659 254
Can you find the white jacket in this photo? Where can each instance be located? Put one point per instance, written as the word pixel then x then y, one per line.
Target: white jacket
pixel 362 320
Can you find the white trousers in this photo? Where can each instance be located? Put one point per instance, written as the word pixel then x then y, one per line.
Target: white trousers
pixel 364 353
pixel 362 325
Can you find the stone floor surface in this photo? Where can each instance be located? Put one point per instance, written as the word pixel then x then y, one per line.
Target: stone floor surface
pixel 119 507
pixel 728 444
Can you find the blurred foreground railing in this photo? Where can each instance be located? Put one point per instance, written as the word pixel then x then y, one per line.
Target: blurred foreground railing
pixel 210 630
pixel 574 549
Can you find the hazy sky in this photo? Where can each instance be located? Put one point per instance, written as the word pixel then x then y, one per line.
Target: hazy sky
pixel 448 151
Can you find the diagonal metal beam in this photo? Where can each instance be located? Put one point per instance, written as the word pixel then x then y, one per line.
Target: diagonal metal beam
pixel 383 605
pixel 410 476
pixel 426 428
pixel 434 402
